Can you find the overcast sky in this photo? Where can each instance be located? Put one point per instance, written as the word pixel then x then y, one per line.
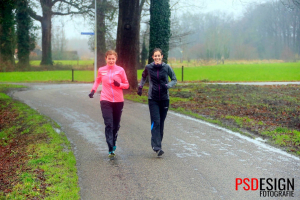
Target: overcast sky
pixel 74 27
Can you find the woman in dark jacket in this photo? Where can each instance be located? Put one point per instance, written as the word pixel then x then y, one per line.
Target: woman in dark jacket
pixel 158 96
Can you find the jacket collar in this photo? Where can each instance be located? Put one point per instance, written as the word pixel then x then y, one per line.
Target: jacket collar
pixel 111 67
pixel 157 66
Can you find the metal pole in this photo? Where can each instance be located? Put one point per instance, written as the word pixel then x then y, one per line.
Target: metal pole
pixel 95 63
pixel 72 75
pixel 182 74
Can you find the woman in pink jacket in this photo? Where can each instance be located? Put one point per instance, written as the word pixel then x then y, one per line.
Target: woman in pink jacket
pixel 113 80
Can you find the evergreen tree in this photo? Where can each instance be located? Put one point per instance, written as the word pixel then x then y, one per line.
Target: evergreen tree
pixel 25 40
pixel 160 31
pixel 7 35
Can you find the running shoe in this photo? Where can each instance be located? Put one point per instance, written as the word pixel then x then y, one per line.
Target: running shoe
pixel 111 154
pixel 160 152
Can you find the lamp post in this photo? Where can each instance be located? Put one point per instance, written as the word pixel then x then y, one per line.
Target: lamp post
pixel 95 62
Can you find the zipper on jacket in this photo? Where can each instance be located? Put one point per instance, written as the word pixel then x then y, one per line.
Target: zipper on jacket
pixel 111 87
pixel 158 84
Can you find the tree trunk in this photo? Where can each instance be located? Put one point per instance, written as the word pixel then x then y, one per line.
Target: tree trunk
pixel 46 40
pixel 0 40
pixel 127 39
pixel 101 31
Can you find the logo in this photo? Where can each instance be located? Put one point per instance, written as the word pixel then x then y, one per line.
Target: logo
pixel 268 187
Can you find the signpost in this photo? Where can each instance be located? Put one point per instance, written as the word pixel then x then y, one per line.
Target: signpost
pixel 95 63
pixel 91 33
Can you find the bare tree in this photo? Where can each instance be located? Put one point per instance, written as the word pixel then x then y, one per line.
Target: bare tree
pixel 52 8
pixel 59 42
pixel 291 3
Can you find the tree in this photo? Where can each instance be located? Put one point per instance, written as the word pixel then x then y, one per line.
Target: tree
pixel 106 10
pixel 52 8
pixel 25 39
pixel 128 38
pixel 297 3
pixel 291 3
pixel 59 42
pixel 160 31
pixel 101 32
pixel 144 54
pixel 7 34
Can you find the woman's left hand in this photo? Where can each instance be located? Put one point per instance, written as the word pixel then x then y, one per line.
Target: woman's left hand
pixel 116 83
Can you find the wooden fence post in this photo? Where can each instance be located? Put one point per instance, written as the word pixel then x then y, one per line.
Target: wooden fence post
pixel 182 74
pixel 72 75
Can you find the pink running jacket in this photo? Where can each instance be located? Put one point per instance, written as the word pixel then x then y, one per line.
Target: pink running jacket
pixel 107 75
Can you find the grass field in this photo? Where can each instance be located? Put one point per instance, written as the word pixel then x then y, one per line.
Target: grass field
pixel 219 73
pixel 192 63
pixel 47 76
pixel 65 62
pixel 241 72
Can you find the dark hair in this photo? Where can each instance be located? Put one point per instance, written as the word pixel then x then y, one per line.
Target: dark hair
pixel 157 49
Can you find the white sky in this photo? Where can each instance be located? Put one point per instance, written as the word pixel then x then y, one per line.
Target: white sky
pixel 74 27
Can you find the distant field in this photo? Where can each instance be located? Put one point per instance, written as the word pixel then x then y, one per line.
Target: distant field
pixel 46 76
pixel 222 73
pixel 240 72
pixel 175 63
pixel 65 62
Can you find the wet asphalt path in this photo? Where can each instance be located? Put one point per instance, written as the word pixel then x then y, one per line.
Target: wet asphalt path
pixel 201 161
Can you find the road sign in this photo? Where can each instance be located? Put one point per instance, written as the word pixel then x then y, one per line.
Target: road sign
pixel 87 33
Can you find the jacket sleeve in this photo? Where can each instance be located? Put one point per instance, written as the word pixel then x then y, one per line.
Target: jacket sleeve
pixel 124 84
pixel 144 77
pixel 172 75
pixel 97 81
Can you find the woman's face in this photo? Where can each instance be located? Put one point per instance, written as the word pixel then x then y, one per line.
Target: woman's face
pixel 111 60
pixel 157 57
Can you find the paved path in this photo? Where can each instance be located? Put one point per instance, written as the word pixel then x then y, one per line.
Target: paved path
pixel 201 161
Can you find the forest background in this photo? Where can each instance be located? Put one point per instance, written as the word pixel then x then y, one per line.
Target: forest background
pixel 233 30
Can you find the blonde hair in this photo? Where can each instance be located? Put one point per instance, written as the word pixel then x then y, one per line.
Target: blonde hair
pixel 111 52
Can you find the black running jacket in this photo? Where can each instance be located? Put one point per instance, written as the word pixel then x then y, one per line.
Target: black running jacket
pixel 158 80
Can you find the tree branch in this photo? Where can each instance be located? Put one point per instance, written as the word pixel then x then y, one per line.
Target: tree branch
pixel 34 15
pixel 75 5
pixel 141 6
pixel 68 13
pixel 54 2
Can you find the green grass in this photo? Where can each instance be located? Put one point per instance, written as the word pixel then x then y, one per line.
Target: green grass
pixel 222 73
pixel 65 62
pixel 240 72
pixel 47 150
pixel 46 76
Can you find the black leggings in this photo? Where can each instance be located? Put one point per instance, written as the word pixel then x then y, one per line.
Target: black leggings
pixel 158 113
pixel 111 112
